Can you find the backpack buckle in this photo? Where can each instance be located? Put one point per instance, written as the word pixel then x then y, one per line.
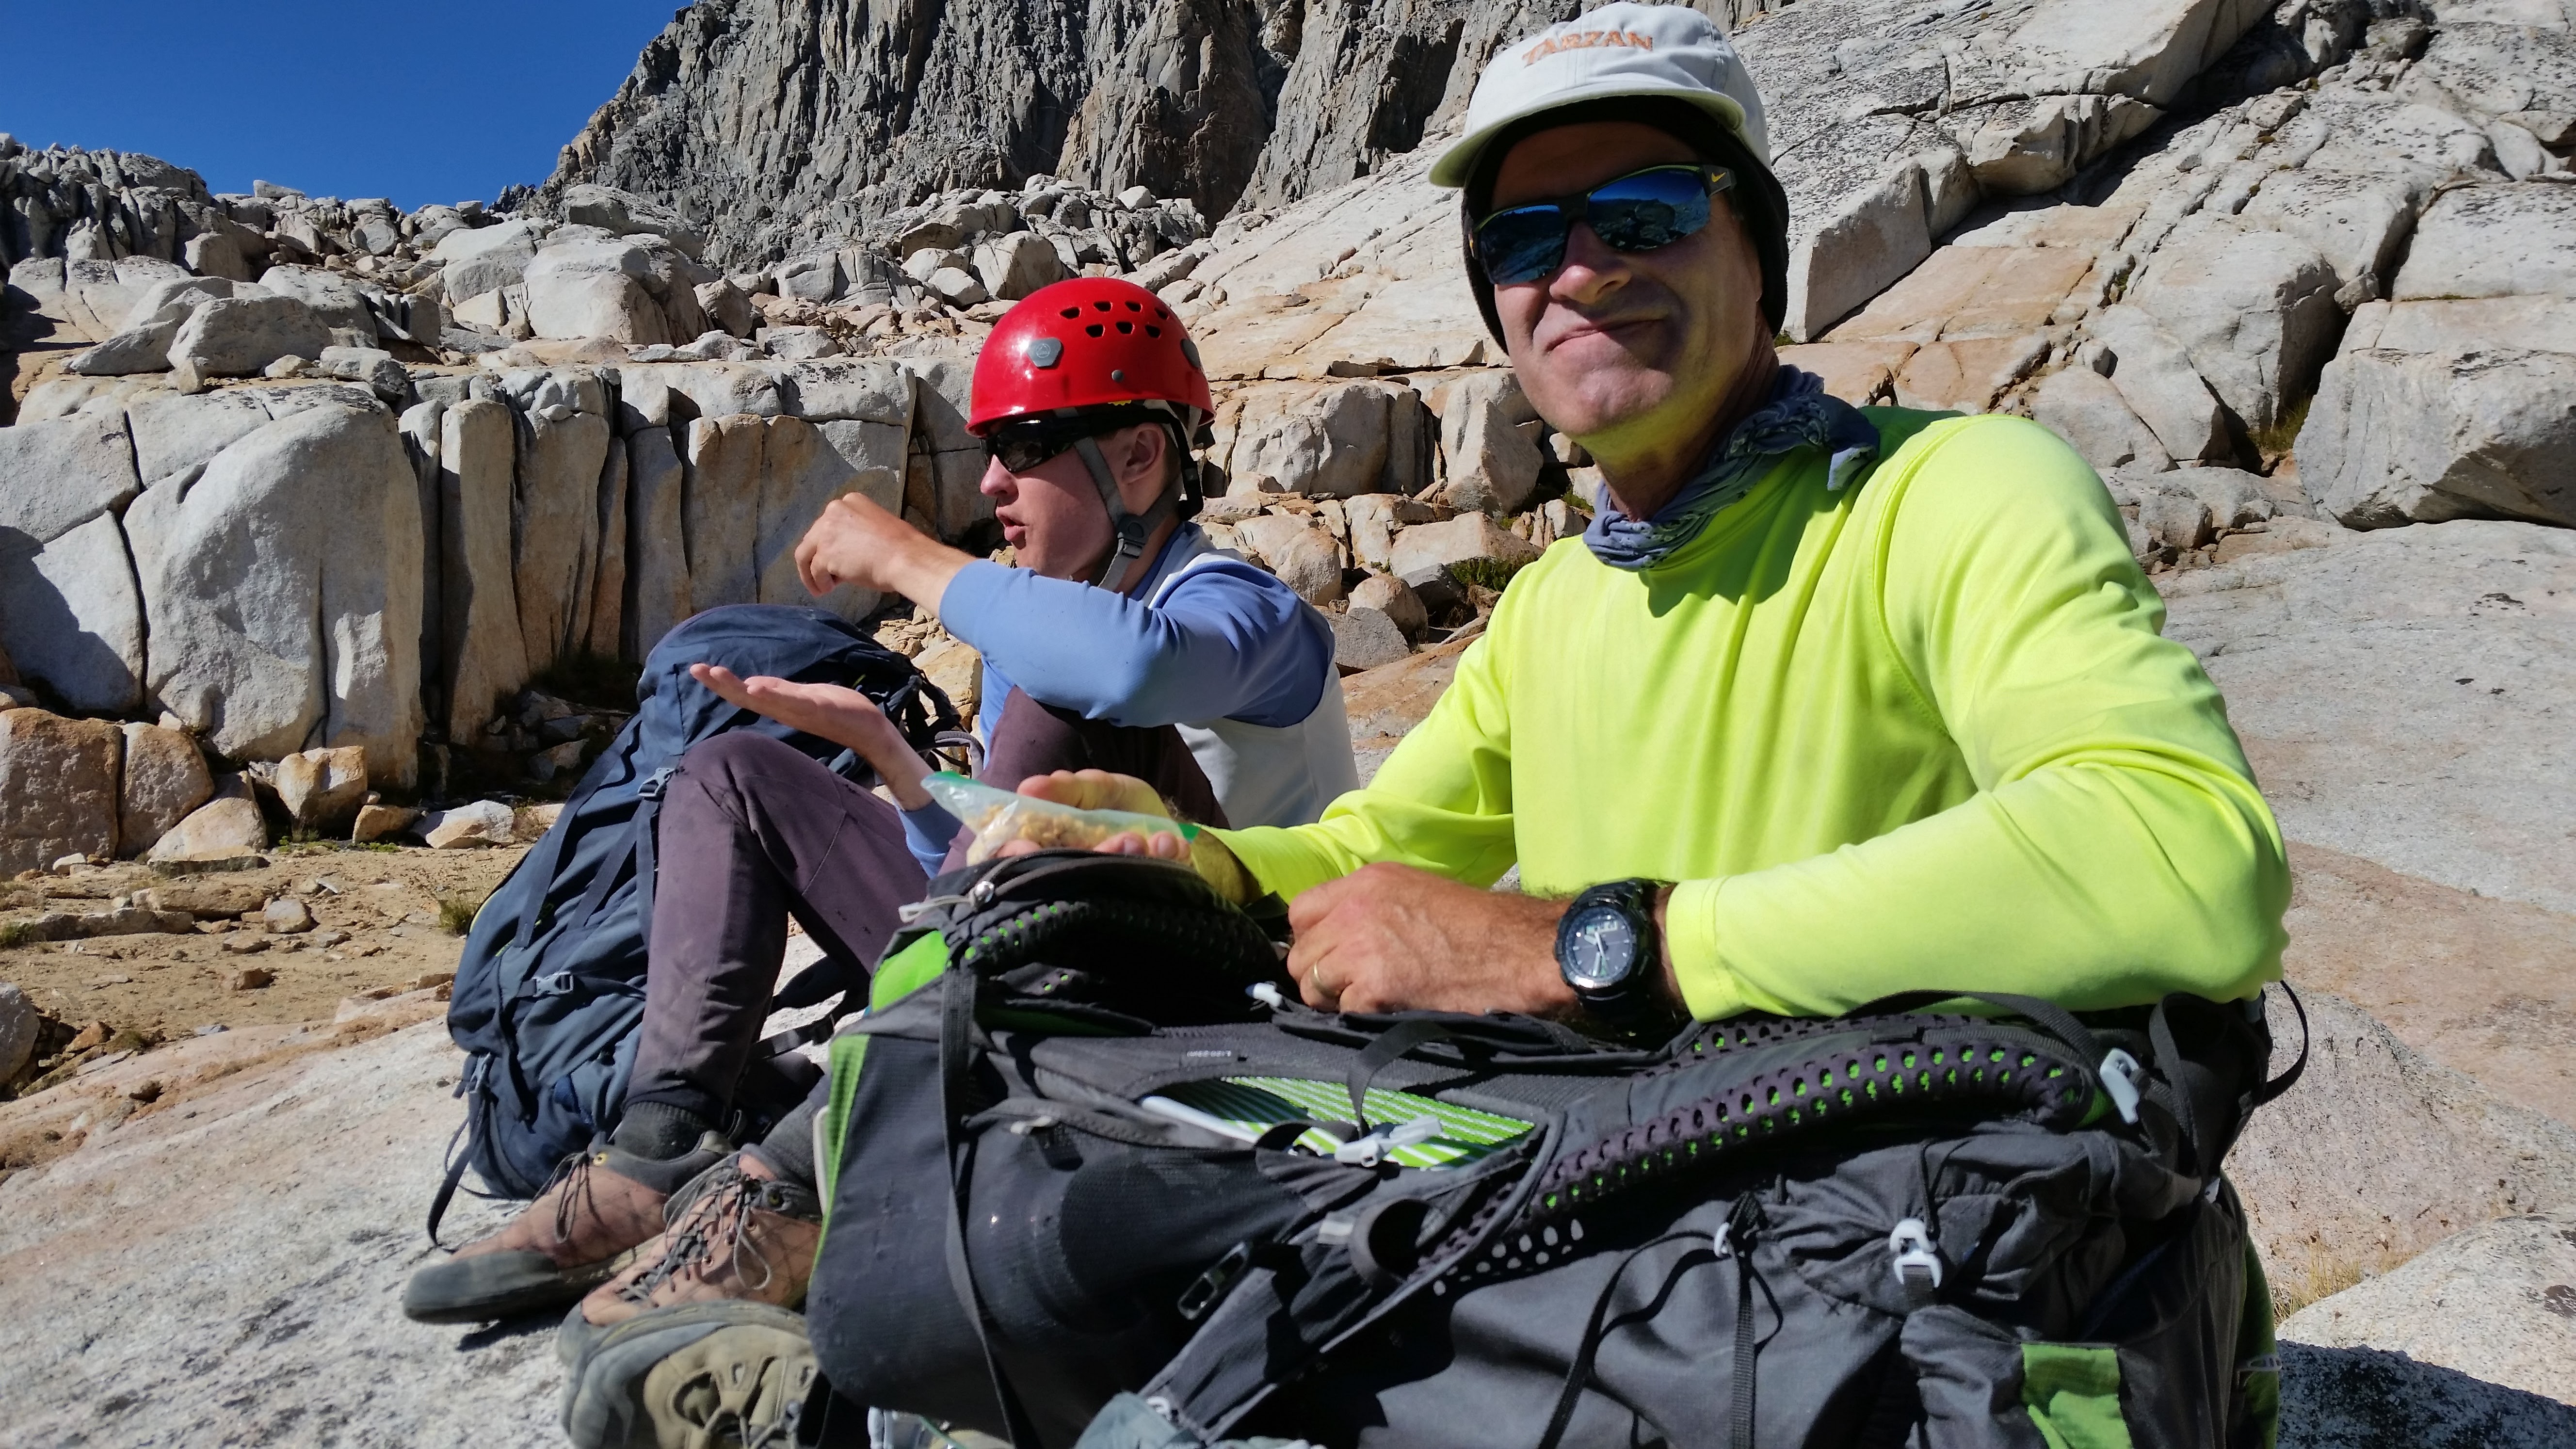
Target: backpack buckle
pixel 653 784
pixel 2120 1077
pixel 1210 1286
pixel 556 984
pixel 1911 1245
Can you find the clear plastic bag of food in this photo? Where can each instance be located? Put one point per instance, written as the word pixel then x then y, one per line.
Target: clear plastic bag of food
pixel 999 816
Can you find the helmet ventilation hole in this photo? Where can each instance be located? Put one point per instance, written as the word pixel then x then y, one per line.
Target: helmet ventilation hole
pixel 1070 313
pixel 1135 306
pixel 1103 306
pixel 1095 329
pixel 1128 327
pixel 1153 331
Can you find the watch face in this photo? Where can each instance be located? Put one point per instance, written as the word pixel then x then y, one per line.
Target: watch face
pixel 1600 949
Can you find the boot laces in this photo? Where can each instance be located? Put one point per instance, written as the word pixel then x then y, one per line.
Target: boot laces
pixel 717 1224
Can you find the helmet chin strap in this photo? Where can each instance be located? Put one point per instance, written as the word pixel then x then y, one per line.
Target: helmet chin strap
pixel 1132 529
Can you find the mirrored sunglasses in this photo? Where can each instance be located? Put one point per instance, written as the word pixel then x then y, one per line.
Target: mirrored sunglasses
pixel 1637 212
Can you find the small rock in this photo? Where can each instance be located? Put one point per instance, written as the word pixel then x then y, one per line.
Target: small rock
pixel 323 789
pixel 1437 589
pixel 485 822
pixel 245 945
pixel 94 1034
pixel 957 287
pixel 205 900
pixel 531 822
pixel 547 763
pixel 375 822
pixel 1365 638
pixel 287 916
pixel 1468 538
pixel 429 979
pixel 147 1090
pixel 65 865
pixel 250 978
pixel 19 1028
pixel 104 982
pixel 1396 599
pixel 327 939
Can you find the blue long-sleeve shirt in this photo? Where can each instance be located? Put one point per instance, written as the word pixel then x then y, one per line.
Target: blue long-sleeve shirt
pixel 1227 641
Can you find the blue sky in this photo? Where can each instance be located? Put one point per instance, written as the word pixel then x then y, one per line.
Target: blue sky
pixel 426 102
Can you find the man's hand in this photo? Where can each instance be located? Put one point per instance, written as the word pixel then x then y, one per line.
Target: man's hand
pixel 1392 938
pixel 831 712
pixel 857 542
pixel 1101 790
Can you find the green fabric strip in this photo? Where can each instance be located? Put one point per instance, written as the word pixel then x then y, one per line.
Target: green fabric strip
pixel 1261 1102
pixel 2258 1354
pixel 908 970
pixel 848 1055
pixel 2073 1395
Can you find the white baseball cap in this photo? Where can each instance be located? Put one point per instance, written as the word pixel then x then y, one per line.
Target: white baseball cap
pixel 1617 50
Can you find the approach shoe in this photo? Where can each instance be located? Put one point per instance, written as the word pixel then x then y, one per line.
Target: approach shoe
pixel 724 1374
pixel 734 1233
pixel 582 1230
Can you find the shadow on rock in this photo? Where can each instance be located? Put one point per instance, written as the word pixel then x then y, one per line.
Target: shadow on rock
pixel 2368 1398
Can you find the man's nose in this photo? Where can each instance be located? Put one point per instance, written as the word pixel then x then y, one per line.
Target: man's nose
pixel 1592 269
pixel 998 482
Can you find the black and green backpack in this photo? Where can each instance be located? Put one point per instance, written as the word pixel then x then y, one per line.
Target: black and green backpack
pixel 1096 1178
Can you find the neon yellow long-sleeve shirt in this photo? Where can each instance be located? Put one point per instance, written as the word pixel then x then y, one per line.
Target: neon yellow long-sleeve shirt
pixel 1920 732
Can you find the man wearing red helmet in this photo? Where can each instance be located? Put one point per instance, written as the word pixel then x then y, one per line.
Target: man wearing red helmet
pixel 1122 640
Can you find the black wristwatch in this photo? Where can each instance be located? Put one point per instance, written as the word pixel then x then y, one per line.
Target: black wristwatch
pixel 1612 955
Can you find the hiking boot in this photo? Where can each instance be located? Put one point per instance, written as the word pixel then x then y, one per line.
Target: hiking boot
pixel 582 1230
pixel 740 1232
pixel 719 1375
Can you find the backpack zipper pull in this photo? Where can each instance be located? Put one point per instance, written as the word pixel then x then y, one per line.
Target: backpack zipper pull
pixel 977 896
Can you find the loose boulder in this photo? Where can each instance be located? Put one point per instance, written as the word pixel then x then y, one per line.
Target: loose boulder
pixel 1013 266
pixel 227 829
pixel 58 792
pixel 165 779
pixel 241 336
pixel 1364 638
pixel 322 789
pixel 1299 551
pixel 2448 409
pixel 1468 538
pixel 485 822
pixel 283 590
pixel 1489 434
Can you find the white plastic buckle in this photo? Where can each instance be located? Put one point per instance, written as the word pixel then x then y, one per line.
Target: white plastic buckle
pixel 1724 1240
pixel 1369 1151
pixel 1911 1243
pixel 1268 995
pixel 2120 1077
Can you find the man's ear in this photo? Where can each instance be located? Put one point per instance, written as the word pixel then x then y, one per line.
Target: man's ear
pixel 1139 462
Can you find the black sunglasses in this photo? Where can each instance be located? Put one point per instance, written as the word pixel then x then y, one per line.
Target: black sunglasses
pixel 1637 212
pixel 1023 448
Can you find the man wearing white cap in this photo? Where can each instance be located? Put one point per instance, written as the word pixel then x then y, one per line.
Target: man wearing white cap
pixel 1827 705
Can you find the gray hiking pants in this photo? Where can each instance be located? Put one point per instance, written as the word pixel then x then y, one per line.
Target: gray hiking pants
pixel 753 831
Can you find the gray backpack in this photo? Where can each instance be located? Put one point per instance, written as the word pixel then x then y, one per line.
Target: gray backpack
pixel 1094 1178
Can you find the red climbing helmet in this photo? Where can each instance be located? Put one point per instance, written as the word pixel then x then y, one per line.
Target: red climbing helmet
pixel 1086 343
